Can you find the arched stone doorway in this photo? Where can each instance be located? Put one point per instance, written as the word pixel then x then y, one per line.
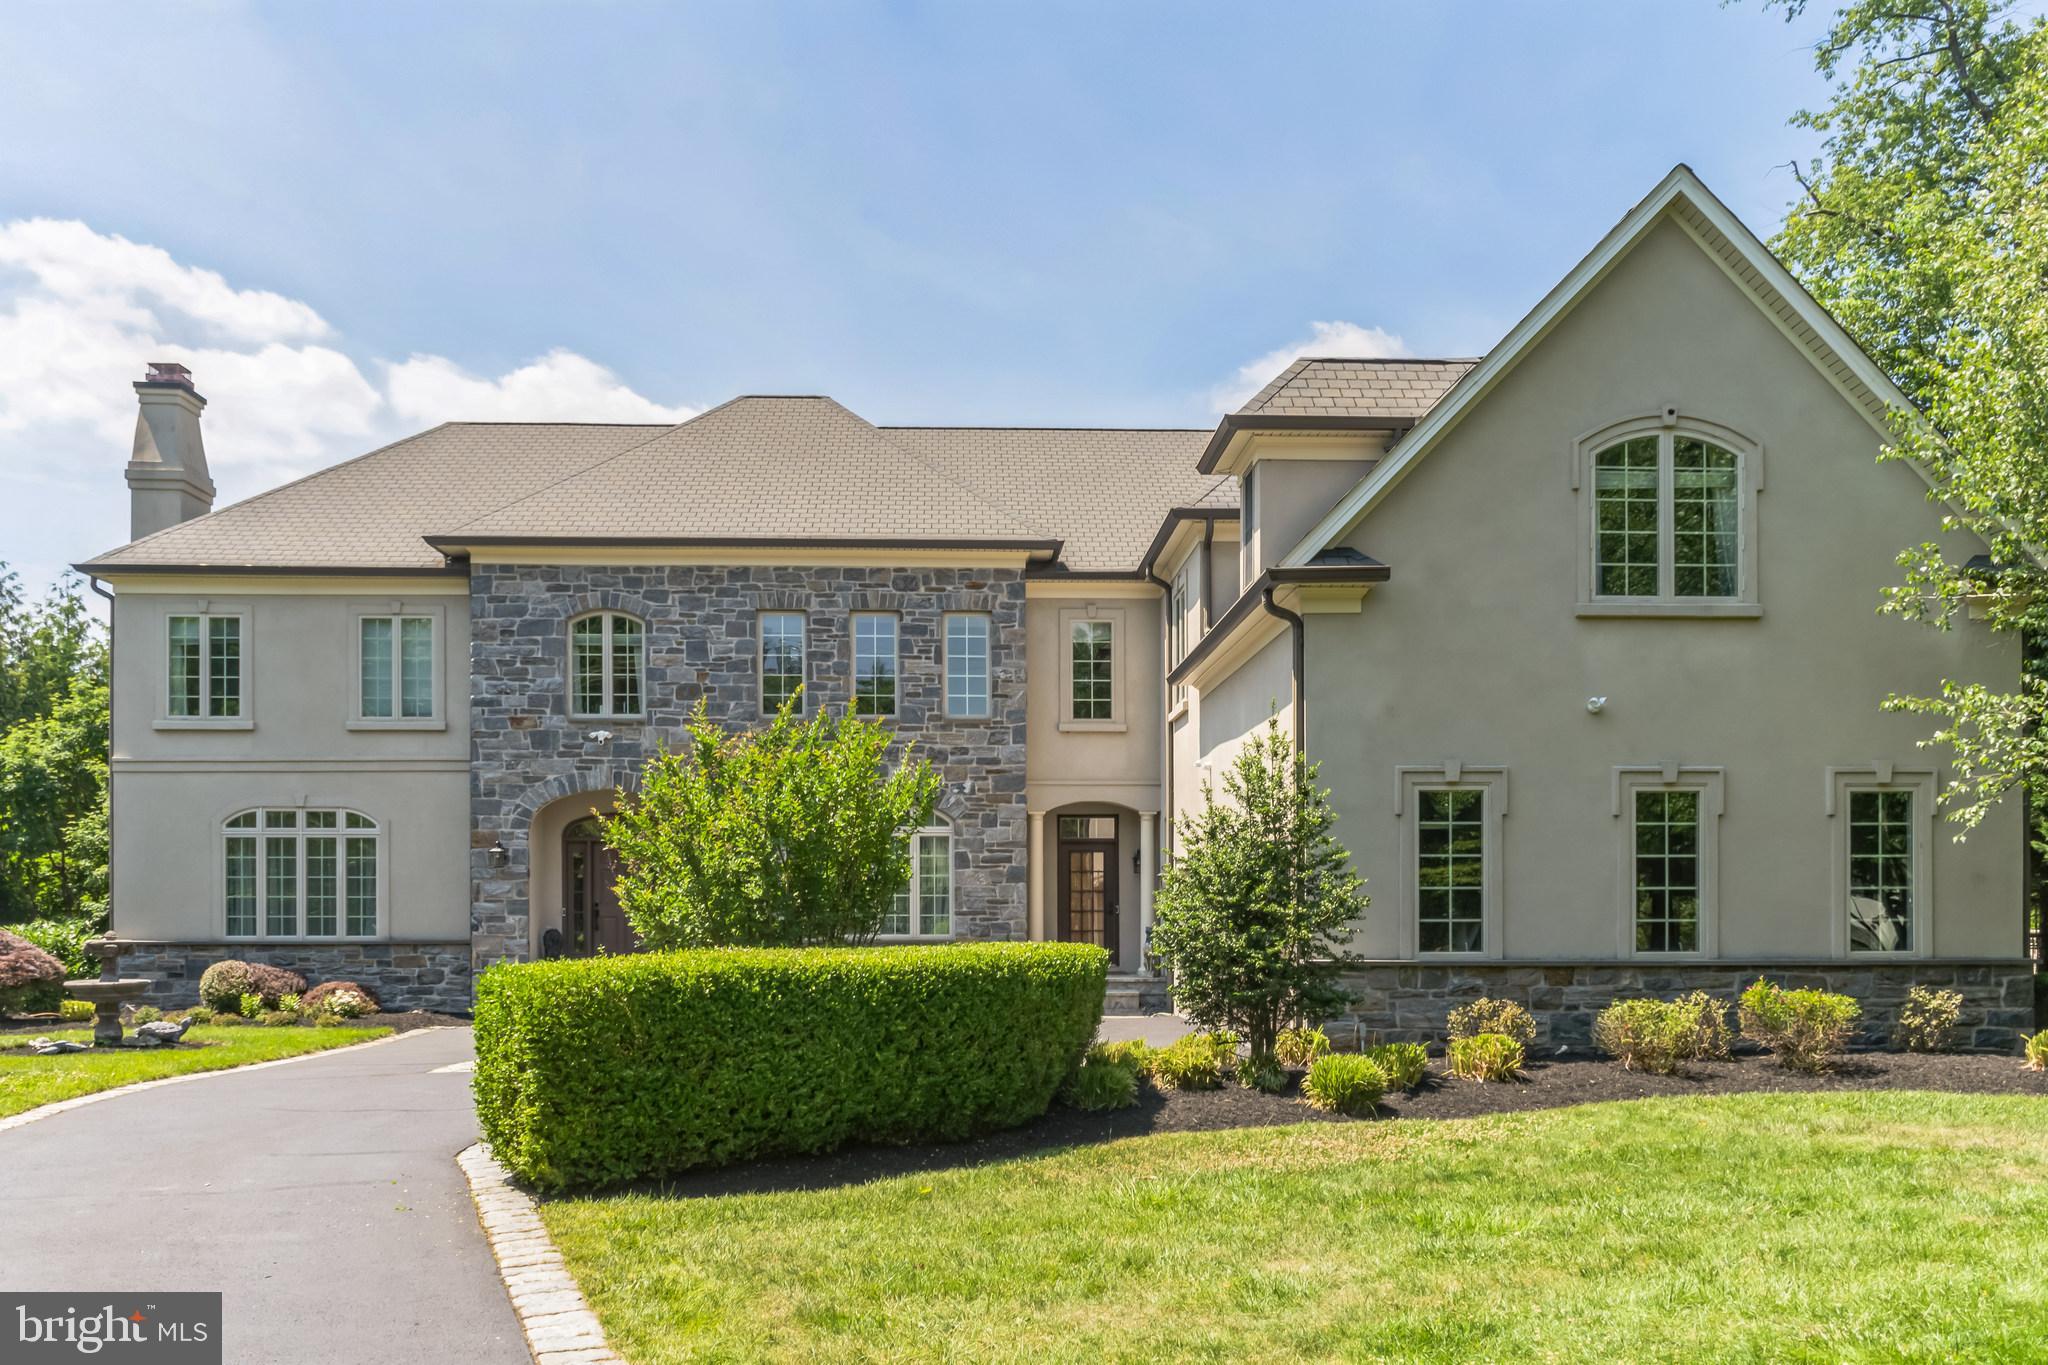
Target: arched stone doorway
pixel 571 877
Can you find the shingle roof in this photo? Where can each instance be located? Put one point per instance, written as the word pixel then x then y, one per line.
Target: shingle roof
pixel 1338 387
pixel 766 468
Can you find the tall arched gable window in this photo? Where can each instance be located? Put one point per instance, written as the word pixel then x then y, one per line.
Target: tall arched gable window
pixel 1669 507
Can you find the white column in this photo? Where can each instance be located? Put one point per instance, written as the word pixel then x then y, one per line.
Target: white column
pixel 1034 913
pixel 1148 873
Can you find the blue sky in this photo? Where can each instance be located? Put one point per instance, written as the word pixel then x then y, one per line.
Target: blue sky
pixel 1050 213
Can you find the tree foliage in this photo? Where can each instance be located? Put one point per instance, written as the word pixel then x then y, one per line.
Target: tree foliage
pixel 797 834
pixel 1253 914
pixel 53 756
pixel 1923 226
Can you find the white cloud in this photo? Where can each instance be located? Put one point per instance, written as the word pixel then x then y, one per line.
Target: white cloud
pixel 1345 339
pixel 82 311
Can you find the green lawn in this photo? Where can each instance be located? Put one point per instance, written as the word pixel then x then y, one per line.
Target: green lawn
pixel 27 1081
pixel 1871 1226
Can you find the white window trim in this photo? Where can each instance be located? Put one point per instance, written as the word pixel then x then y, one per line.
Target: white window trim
pixel 853 662
pixel 1488 778
pixel 569 666
pixel 946 666
pixel 803 667
pixel 1667 424
pixel 944 831
pixel 1883 776
pixel 1119 667
pixel 360 612
pixel 220 874
pixel 205 610
pixel 1187 584
pixel 1711 784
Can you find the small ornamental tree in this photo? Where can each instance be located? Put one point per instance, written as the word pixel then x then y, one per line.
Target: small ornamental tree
pixel 796 834
pixel 1252 915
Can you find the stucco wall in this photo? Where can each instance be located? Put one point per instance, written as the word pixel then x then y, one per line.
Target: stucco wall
pixel 172 788
pixel 701 642
pixel 1066 763
pixel 1295 493
pixel 1474 652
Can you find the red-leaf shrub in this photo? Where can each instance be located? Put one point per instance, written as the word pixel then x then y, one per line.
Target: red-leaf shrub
pixel 275 982
pixel 31 981
pixel 309 999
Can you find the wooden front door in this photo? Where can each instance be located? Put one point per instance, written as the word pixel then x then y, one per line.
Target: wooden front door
pixel 1088 881
pixel 592 922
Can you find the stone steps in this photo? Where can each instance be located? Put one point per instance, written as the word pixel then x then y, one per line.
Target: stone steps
pixel 1129 993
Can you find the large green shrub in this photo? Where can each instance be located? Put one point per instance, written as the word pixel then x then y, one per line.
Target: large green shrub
pixel 1804 1029
pixel 796 834
pixel 223 984
pixel 599 1070
pixel 1657 1036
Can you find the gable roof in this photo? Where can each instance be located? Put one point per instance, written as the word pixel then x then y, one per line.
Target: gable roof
pixel 1682 196
pixel 1341 386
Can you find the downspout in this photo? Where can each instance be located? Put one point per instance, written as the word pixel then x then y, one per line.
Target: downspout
pixel 94 583
pixel 1165 742
pixel 1294 624
pixel 1208 572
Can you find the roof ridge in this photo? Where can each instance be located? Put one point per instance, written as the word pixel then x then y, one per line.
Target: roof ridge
pixel 1391 359
pixel 980 495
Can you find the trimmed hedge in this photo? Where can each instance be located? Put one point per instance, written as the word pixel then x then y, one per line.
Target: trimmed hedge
pixel 599 1070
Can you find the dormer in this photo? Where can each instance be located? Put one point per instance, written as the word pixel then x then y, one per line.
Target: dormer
pixel 1307 438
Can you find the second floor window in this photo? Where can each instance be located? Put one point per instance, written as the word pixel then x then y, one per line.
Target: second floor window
pixel 607 665
pixel 782 658
pixel 874 664
pixel 967 664
pixel 1667 519
pixel 205 667
pixel 1092 643
pixel 398 667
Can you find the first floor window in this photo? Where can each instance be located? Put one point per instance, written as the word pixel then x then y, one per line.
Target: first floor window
pixel 205 665
pixel 925 906
pixel 607 662
pixel 1450 870
pixel 1882 871
pixel 967 664
pixel 874 664
pixel 397 654
pixel 1667 871
pixel 782 658
pixel 1093 692
pixel 293 873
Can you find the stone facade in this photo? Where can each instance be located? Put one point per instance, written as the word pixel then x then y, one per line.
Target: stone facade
pixel 702 643
pixel 1407 1002
pixel 405 976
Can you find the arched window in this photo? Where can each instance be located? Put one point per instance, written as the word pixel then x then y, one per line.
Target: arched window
pixel 924 909
pixel 607 665
pixel 294 873
pixel 1671 513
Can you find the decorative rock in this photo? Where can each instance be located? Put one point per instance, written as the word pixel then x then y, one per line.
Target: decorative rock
pixel 161 1032
pixel 48 1046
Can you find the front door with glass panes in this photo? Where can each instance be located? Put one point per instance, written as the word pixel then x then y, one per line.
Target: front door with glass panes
pixel 592 922
pixel 1088 881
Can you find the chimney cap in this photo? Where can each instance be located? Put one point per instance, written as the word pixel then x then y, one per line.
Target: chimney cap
pixel 168 372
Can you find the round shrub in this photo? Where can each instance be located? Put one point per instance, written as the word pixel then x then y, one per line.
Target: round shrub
pixel 1486 1057
pixel 1099 1083
pixel 1486 1015
pixel 315 997
pixel 1344 1083
pixel 1297 1047
pixel 222 986
pixel 275 983
pixel 1405 1063
pixel 1928 1020
pixel 1804 1029
pixel 592 1071
pixel 31 980
pixel 1647 1035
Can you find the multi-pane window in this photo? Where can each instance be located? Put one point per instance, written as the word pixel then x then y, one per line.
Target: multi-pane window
pixel 607 663
pixel 874 664
pixel 967 664
pixel 1667 512
pixel 205 667
pixel 1450 870
pixel 925 907
pixel 1183 626
pixel 782 658
pixel 1092 671
pixel 1667 871
pixel 300 874
pixel 397 655
pixel 1881 871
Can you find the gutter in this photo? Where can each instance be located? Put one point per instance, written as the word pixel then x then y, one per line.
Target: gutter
pixel 1235 422
pixel 101 590
pixel 1362 570
pixel 1297 666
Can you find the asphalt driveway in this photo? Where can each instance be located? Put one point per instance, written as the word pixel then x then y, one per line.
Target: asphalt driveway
pixel 322 1198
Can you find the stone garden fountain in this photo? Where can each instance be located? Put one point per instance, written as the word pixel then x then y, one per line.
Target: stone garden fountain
pixel 108 992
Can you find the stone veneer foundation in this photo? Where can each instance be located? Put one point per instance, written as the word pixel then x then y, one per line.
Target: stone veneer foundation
pixel 1408 1002
pixel 702 642
pixel 405 976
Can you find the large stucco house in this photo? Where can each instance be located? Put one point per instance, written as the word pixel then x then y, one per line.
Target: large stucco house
pixel 1583 633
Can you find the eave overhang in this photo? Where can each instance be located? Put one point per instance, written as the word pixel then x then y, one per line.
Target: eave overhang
pixel 1247 626
pixel 1238 427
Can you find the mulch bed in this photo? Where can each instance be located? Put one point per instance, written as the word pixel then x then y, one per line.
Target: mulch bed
pixel 1550 1085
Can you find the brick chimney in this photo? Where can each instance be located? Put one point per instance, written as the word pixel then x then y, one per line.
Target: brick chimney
pixel 167 478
